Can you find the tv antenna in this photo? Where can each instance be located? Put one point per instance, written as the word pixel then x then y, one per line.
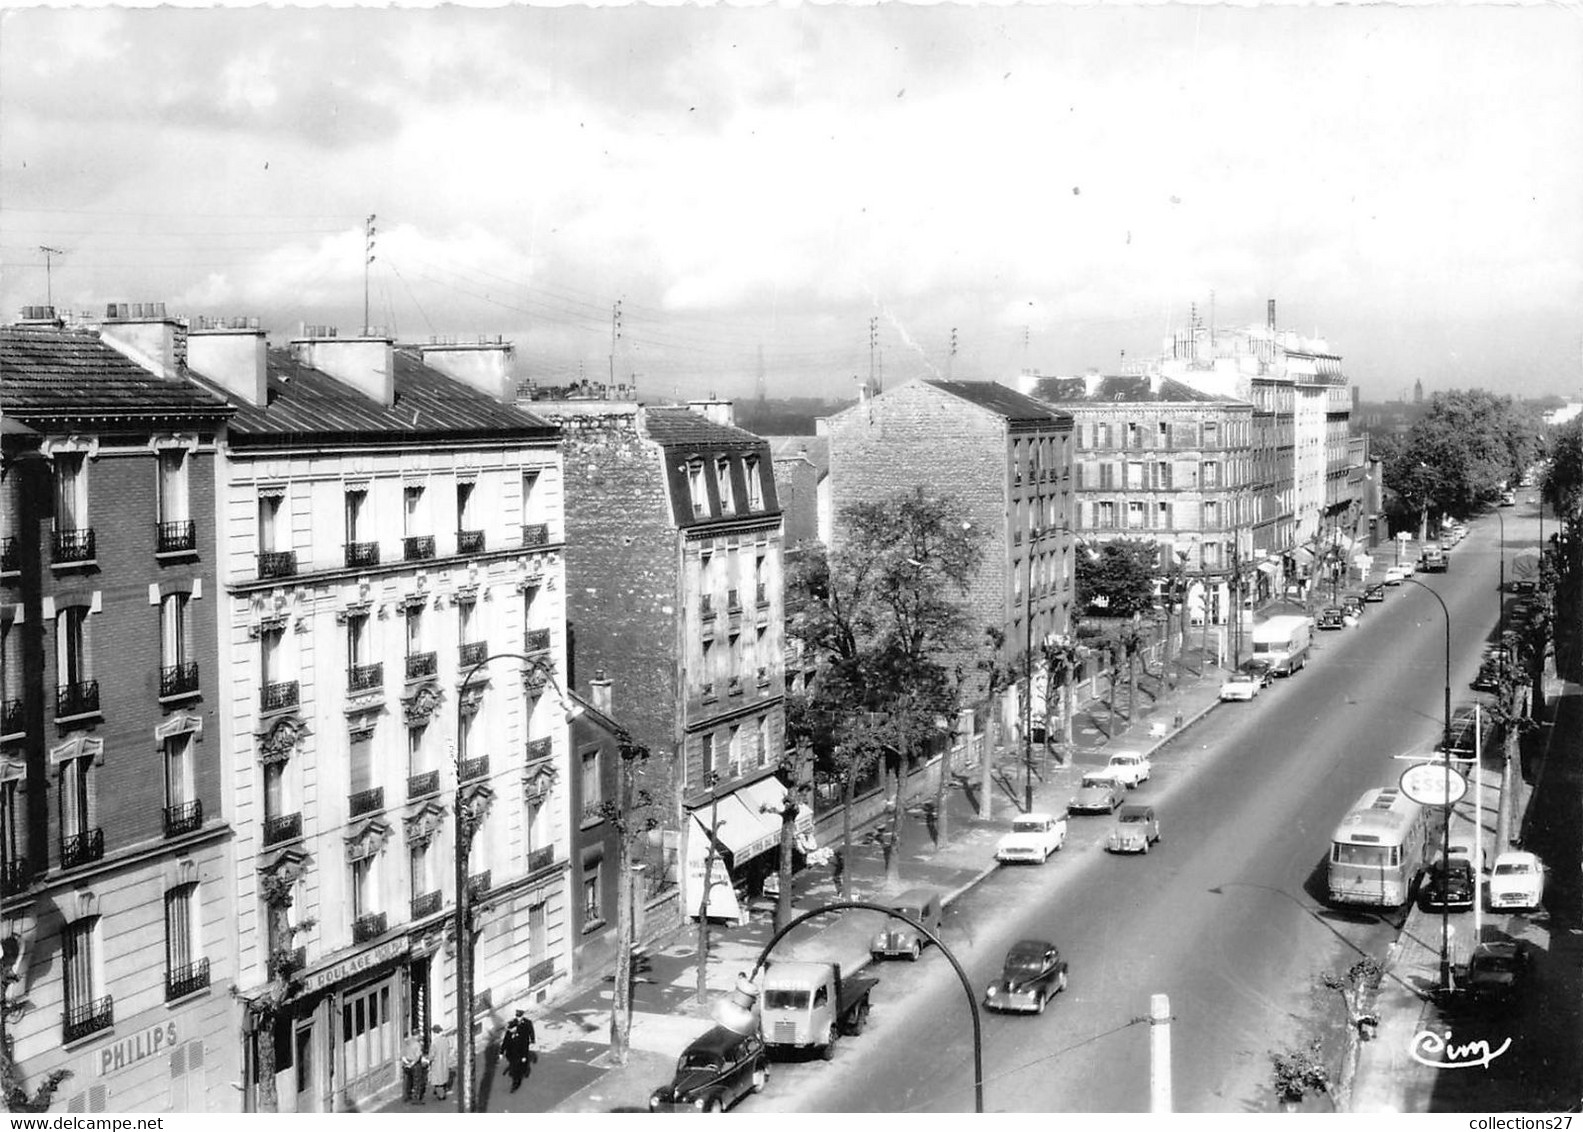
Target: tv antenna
pixel 49 254
pixel 368 258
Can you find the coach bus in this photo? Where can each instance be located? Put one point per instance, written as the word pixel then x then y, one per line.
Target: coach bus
pixel 1378 850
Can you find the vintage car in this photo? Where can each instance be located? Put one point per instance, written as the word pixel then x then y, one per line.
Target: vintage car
pixel 1135 830
pixel 1240 686
pixel 718 1069
pixel 1331 617
pixel 1497 972
pixel 1033 837
pixel 1032 973
pixel 1374 592
pixel 1517 881
pixel 1101 792
pixel 1352 606
pixel 1395 574
pixel 1132 767
pixel 1449 884
pixel 898 937
pixel 1260 667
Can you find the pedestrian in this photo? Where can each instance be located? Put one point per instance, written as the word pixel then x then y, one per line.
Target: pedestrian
pixel 440 1067
pixel 518 1048
pixel 837 866
pixel 414 1068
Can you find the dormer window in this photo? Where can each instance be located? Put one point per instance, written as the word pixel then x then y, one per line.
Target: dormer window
pixel 755 486
pixel 723 483
pixel 697 490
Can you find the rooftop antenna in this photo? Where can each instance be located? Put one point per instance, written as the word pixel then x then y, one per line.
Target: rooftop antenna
pixel 368 258
pixel 873 346
pixel 49 297
pixel 951 355
pixel 615 335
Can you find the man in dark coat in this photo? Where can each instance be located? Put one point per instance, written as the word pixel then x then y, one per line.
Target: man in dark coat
pixel 517 1047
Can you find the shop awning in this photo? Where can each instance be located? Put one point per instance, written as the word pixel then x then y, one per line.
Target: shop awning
pixel 1302 555
pixel 750 818
pixel 1269 568
pixel 736 827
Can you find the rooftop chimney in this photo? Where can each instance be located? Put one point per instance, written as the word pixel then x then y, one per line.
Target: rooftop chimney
pixel 483 365
pixel 599 691
pixel 146 335
pixel 366 363
pixel 40 316
pixel 720 412
pixel 231 353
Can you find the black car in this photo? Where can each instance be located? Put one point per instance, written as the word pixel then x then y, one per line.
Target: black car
pixel 1352 605
pixel 1450 884
pixel 1033 972
pixel 1375 592
pixel 1331 617
pixel 1497 972
pixel 1259 668
pixel 717 1070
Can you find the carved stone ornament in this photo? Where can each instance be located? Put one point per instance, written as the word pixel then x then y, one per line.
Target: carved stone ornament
pixel 421 706
pixel 267 617
pixel 279 743
pixel 538 781
pixel 277 882
pixel 415 600
pixel 353 609
pixel 423 824
pixel 467 593
pixel 366 839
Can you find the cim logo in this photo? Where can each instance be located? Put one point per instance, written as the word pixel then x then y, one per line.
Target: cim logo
pixel 1438 1051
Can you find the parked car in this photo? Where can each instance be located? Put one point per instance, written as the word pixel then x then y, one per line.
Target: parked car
pixel 1498 972
pixel 718 1069
pixel 1517 881
pixel 1132 767
pixel 1032 974
pixel 1395 574
pixel 1239 686
pixel 1508 499
pixel 898 937
pixel 1331 617
pixel 1259 667
pixel 1352 605
pixel 1135 830
pixel 1033 837
pixel 1496 660
pixel 1374 592
pixel 1449 884
pixel 1101 792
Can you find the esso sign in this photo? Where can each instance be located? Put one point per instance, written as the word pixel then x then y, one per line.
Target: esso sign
pixel 1432 784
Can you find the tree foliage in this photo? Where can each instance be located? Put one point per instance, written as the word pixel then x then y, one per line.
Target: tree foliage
pixel 1457 456
pixel 1117 578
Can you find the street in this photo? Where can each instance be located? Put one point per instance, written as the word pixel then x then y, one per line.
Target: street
pixel 1225 916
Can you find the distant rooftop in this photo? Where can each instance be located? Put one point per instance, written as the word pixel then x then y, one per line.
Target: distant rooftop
pixel 48 371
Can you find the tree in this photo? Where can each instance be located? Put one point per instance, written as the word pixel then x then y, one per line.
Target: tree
pixel 1131 641
pixel 629 813
pixel 1061 654
pixel 17 1097
pixel 1459 454
pixel 1117 578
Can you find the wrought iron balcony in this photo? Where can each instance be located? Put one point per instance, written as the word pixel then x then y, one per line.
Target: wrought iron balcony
pixel 536 640
pixel 541 972
pixel 470 769
pixel 534 680
pixel 362 554
pixel 189 977
pixel 535 534
pixel 469 542
pixel 13 717
pixel 421 664
pixel 365 677
pixel 183 818
pixel 541 858
pixel 16 876
pixel 10 555
pixel 72 546
pixel 426 905
pixel 415 548
pixel 368 927
pixel 422 785
pixel 277 564
pixel 538 748
pixel 178 679
pixel 479 884
pixel 89 1018
pixel 284 827
pixel 81 698
pixel 366 802
pixel 81 848
pixel 179 536
pixel 279 695
pixel 473 652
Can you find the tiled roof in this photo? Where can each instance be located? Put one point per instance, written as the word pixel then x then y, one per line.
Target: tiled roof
pixel 999 399
pixel 47 371
pixel 814 449
pixel 1126 388
pixel 305 402
pixel 673 424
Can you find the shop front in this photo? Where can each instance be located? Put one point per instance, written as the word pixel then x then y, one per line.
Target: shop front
pixel 747 824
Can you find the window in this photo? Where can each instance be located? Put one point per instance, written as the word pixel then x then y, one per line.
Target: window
pixel 421 861
pixel 593 788
pixel 182 955
pixel 414 630
pixel 1211 475
pixel 178 770
pixel 764 740
pixel 360 762
pixel 175 633
pixel 723 485
pixel 276 802
pixel 1135 474
pixel 706 749
pixel 1165 435
pixel 356 505
pixel 1211 514
pixel 13 834
pixel 1135 514
pixel 755 487
pixel 593 902
pixel 1104 514
pixel 1162 517
pixel 80 973
pixel 71 491
pixel 734 752
pixel 466 621
pixel 172 501
pixel 365 887
pixel 268 523
pixel 72 653
pixel 412 511
pixel 271 656
pixel 1162 475
pixel 417 760
pixel 530 484
pixel 696 490
pixel 357 640
pixel 1107 476
pixel 464 506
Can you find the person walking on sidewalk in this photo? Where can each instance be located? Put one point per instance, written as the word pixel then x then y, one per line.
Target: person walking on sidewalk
pixel 518 1048
pixel 440 1067
pixel 414 1069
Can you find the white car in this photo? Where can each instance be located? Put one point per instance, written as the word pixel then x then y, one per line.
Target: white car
pixel 1131 767
pixel 1394 575
pixel 1239 686
pixel 1517 881
pixel 1033 837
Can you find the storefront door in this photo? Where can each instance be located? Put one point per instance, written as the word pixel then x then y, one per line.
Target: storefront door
pixel 310 1090
pixel 370 1043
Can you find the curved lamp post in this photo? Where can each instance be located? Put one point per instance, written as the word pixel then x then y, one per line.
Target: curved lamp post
pixel 1500 596
pixel 466 825
pixel 1445 758
pixel 737 1012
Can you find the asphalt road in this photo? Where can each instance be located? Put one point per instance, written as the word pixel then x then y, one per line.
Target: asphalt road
pixel 1225 917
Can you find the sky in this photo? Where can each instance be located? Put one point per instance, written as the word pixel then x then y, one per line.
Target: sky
pixel 718 200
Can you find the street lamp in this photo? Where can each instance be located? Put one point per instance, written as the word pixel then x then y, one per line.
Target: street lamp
pixel 1445 748
pixel 1500 597
pixel 737 1012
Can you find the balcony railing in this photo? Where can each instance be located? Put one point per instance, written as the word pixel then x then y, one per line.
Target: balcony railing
pixel 81 698
pixel 183 818
pixel 479 884
pixel 16 876
pixel 365 677
pixel 538 748
pixel 277 564
pixel 89 1018
pixel 534 680
pixel 13 717
pixel 72 546
pixel 422 785
pixel 362 554
pixel 469 542
pixel 421 664
pixel 593 811
pixel 178 536
pixel 426 905
pixel 182 981
pixel 541 858
pixel 535 534
pixel 81 848
pixel 10 555
pixel 366 802
pixel 178 679
pixel 286 827
pixel 541 972
pixel 472 652
pixel 536 640
pixel 279 695
pixel 368 927
pixel 415 548
pixel 470 769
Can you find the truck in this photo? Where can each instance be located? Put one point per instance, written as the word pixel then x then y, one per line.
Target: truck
pixel 1283 641
pixel 1433 559
pixel 807 1005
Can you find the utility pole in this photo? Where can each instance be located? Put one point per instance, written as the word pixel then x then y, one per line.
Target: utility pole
pixel 49 291
pixel 873 351
pixel 1159 1053
pixel 615 336
pixel 629 753
pixel 950 358
pixel 368 258
pixel 712 778
pixel 1027 676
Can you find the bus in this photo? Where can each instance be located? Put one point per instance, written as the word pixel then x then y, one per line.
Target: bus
pixel 1378 850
